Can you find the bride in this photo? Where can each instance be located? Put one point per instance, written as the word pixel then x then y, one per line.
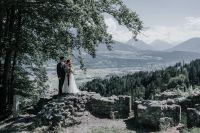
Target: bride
pixel 69 85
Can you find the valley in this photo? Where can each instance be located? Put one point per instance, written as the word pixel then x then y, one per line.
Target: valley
pixel 122 59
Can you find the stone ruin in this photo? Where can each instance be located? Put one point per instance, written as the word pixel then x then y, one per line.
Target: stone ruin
pixel 113 107
pixel 167 95
pixel 193 116
pixel 189 105
pixel 156 114
pixel 192 103
pixel 64 110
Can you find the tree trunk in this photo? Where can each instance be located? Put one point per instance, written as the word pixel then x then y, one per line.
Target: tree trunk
pixel 1 25
pixel 17 36
pixel 1 48
pixel 7 62
pixel 15 107
pixel 4 88
pixel 11 87
pixel 1 44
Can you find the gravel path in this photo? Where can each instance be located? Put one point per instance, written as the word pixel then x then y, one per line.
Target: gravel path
pixel 91 124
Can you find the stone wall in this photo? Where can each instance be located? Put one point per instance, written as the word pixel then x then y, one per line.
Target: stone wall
pixel 184 101
pixel 189 104
pixel 156 114
pixel 63 110
pixel 167 95
pixel 192 107
pixel 193 117
pixel 110 107
pixel 193 100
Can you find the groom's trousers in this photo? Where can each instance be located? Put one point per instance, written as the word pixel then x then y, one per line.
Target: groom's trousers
pixel 61 82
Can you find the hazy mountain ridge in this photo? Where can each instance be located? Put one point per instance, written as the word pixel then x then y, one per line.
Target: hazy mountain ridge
pixel 161 45
pixel 141 45
pixel 126 55
pixel 191 45
pixel 157 45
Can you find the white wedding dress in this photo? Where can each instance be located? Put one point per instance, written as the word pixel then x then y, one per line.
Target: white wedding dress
pixel 72 87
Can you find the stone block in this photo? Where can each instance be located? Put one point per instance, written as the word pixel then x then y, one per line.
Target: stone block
pixel 193 117
pixel 157 114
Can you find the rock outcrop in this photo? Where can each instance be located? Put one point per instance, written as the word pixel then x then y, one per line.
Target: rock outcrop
pixel 157 114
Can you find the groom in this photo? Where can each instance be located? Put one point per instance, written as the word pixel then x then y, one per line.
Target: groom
pixel 61 74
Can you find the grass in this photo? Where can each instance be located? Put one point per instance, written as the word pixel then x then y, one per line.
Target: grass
pixel 184 118
pixel 110 130
pixel 193 130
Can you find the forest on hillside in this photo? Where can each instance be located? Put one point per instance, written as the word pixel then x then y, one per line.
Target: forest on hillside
pixel 145 84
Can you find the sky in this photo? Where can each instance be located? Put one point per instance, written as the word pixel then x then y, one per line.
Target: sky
pixel 173 21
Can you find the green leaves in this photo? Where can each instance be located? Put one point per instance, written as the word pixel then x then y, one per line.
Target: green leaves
pixel 87 18
pixel 40 30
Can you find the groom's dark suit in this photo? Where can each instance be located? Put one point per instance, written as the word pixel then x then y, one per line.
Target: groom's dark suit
pixel 61 76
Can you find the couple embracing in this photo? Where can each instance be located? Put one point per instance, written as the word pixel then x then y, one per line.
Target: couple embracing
pixel 67 82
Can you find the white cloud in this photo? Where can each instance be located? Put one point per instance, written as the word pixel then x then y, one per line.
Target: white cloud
pixel 119 33
pixel 172 34
pixel 193 21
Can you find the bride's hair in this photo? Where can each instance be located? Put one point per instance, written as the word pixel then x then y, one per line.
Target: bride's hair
pixel 68 61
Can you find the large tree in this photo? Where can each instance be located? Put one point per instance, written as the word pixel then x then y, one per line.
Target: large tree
pixel 34 31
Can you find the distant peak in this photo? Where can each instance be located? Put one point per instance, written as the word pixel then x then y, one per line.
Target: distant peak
pixel 160 41
pixel 190 45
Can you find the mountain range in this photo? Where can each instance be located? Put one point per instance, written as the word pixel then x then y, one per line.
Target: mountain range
pixel 191 45
pixel 140 54
pixel 157 45
pixel 140 45
pixel 128 58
